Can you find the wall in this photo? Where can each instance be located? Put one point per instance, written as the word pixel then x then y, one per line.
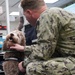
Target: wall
pixel 13 26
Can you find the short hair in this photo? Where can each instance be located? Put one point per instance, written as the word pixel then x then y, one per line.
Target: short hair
pixel 32 4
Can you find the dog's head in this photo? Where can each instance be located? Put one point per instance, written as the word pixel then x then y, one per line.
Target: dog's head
pixel 14 37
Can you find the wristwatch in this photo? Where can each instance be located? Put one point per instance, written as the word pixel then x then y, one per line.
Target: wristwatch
pixel 25 62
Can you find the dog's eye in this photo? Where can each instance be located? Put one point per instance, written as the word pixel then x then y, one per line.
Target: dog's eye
pixel 11 38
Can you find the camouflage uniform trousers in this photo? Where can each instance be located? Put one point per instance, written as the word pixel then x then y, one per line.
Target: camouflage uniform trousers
pixel 57 66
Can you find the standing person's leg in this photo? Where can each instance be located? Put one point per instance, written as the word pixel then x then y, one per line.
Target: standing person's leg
pixel 59 66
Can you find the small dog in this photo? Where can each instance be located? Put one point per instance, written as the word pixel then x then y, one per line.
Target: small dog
pixel 13 57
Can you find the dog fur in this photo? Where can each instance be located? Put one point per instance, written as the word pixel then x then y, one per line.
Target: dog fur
pixel 10 67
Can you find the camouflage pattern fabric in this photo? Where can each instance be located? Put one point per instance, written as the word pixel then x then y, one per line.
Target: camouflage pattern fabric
pixel 55 49
pixel 57 66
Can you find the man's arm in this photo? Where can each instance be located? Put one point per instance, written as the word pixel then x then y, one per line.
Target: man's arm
pixel 47 35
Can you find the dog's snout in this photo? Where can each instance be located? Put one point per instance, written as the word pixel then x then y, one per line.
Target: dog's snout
pixel 11 34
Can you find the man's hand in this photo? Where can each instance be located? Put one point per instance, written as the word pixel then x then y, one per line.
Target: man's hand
pixel 17 47
pixel 21 67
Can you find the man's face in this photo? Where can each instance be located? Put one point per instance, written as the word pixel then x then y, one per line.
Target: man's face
pixel 30 18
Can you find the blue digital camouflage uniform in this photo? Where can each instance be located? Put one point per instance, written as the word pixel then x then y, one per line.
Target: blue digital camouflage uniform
pixel 54 53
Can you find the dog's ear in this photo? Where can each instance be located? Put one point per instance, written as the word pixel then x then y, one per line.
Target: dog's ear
pixel 23 41
pixel 4 47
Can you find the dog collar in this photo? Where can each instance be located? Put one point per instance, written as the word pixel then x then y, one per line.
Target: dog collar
pixel 7 59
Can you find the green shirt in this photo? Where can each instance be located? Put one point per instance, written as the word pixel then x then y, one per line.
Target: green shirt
pixel 55 34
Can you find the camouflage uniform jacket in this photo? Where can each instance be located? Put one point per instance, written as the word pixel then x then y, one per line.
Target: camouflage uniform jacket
pixel 55 35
